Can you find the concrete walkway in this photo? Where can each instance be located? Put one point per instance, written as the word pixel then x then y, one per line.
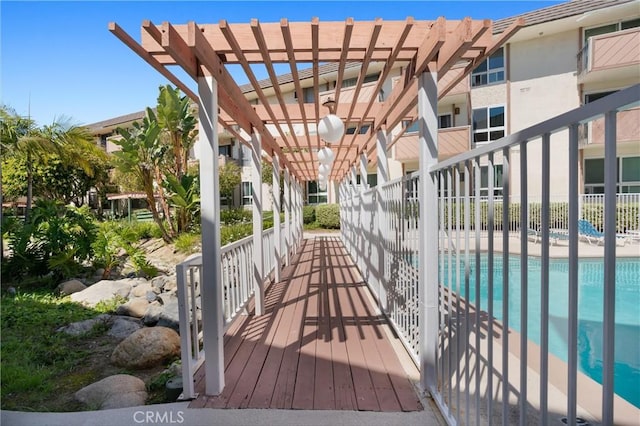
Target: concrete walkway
pixel 179 414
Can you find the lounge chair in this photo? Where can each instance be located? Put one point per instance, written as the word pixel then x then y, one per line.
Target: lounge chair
pixel 587 231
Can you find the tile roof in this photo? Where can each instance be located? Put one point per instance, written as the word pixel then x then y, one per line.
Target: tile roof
pixel 559 11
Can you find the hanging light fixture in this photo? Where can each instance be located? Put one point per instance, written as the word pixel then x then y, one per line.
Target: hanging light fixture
pixel 323 169
pixel 322 185
pixel 326 156
pixel 331 127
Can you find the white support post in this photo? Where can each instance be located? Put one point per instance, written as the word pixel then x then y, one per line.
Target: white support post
pixel 428 196
pixel 294 214
pixel 363 172
pixel 287 215
pixel 211 286
pixel 258 260
pixel 275 191
pixel 383 178
pixel 352 219
pixel 300 216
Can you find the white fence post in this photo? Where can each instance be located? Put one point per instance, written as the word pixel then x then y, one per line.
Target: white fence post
pixel 287 215
pixel 275 191
pixel 383 178
pixel 258 261
pixel 428 261
pixel 211 286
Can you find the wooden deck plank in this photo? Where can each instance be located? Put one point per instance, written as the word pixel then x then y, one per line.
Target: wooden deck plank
pixel 323 395
pixel 345 397
pixel 365 395
pixel 320 344
pixel 304 388
pixel 388 361
pixel 284 387
pixel 263 392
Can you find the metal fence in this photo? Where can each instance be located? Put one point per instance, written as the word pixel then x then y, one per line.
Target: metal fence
pixel 487 370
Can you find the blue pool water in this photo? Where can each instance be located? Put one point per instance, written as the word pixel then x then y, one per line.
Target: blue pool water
pixel 590 311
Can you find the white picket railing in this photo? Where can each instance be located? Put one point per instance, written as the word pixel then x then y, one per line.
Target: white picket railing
pixel 476 380
pixel 237 281
pixel 591 209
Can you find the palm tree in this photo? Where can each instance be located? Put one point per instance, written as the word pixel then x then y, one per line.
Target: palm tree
pixel 140 154
pixel 178 124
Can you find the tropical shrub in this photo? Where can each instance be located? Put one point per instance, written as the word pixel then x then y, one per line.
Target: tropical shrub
pixel 55 238
pixel 328 216
pixel 308 214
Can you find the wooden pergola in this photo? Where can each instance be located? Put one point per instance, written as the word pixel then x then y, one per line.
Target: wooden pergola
pixel 451 48
pixel 433 56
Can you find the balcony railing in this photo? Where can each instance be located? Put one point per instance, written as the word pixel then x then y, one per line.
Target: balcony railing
pixel 612 50
pixel 627 128
pixel 451 141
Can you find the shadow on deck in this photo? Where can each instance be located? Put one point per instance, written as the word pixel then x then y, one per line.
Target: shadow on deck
pixel 320 344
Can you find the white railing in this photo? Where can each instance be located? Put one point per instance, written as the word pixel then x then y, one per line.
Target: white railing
pixel 237 282
pixel 484 354
pixel 591 208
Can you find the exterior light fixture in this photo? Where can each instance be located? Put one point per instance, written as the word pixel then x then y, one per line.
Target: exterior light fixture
pixel 326 156
pixel 323 169
pixel 322 185
pixel 331 127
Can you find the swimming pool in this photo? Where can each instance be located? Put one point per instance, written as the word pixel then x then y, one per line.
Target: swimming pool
pixel 590 311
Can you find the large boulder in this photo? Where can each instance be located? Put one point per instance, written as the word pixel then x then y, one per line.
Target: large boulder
pixel 136 307
pixel 123 327
pixel 146 348
pixel 101 291
pixel 169 317
pixel 69 287
pixel 117 391
pixel 83 327
pixel 141 290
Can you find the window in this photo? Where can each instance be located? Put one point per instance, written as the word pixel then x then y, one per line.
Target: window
pixel 497 180
pixel 224 150
pixel 246 155
pixel 488 124
pixel 350 82
pixel 490 71
pixel 611 28
pixel 247 193
pixel 444 121
pixel 314 195
pixel 363 129
pixel 628 175
pixel 372 179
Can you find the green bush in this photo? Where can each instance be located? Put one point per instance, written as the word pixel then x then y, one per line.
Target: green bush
pixel 56 239
pixel 308 214
pixel 188 243
pixel 328 216
pixel 229 217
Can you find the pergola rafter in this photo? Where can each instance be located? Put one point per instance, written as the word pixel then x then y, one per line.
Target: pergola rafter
pixel 416 46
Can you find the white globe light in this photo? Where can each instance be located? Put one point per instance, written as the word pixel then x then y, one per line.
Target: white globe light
pixel 326 156
pixel 322 177
pixel 324 169
pixel 331 128
pixel 322 185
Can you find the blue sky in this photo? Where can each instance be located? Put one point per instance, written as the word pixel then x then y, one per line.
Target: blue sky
pixel 59 57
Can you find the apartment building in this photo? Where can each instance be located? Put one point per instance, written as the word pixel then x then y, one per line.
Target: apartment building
pixel 564 56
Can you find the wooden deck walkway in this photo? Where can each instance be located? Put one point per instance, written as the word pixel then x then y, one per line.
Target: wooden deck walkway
pixel 320 344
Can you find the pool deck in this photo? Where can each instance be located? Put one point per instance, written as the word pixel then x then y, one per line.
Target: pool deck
pixel 557 248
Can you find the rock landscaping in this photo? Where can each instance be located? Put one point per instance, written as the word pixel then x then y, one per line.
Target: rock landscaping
pixel 144 325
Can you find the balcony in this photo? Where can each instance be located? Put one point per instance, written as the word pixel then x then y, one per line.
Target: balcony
pixel 610 56
pixel 451 141
pixel 627 128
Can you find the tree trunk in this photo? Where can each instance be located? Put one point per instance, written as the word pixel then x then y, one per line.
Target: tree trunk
pixel 148 187
pixel 163 202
